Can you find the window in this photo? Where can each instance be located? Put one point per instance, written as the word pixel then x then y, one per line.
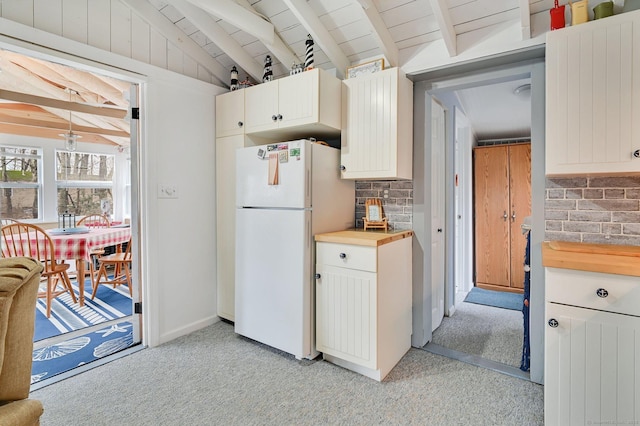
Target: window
pixel 20 183
pixel 85 182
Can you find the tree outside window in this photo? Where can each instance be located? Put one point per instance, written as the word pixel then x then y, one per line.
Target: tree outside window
pixel 84 182
pixel 20 183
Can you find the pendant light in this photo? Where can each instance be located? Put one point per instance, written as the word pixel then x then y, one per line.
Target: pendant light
pixel 70 138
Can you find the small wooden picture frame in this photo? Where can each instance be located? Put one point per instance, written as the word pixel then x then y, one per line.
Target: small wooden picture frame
pixel 366 68
pixel 374 215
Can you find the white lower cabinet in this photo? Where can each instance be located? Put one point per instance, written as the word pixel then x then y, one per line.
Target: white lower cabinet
pixel 363 304
pixel 592 349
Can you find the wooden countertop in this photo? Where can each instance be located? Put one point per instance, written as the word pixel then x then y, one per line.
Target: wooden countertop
pixel 605 258
pixel 360 237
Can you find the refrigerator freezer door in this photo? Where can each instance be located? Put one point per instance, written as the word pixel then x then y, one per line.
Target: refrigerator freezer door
pixel 286 163
pixel 273 279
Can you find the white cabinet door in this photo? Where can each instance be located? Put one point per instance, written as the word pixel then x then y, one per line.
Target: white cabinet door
pixel 592 367
pixel 346 314
pixel 230 114
pixel 592 101
pixel 226 223
pixel 301 105
pixel 377 133
pixel 261 107
pixel 298 99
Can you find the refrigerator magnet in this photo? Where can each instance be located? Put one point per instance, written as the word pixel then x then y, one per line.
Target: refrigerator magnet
pixel 283 156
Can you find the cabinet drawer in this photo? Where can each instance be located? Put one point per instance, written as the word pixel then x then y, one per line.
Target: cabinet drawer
pixel 618 293
pixel 346 256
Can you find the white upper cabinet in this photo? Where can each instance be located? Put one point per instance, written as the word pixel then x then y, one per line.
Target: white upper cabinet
pixel 230 114
pixel 592 97
pixel 301 105
pixel 377 136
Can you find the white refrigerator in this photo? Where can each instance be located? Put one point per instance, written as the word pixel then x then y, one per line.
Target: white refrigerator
pixel 285 194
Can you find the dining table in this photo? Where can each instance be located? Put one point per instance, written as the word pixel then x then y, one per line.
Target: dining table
pixel 77 246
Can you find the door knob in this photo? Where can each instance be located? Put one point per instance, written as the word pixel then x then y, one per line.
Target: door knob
pixel 317 276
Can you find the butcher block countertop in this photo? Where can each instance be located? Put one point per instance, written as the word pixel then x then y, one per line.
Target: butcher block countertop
pixel 605 258
pixel 361 237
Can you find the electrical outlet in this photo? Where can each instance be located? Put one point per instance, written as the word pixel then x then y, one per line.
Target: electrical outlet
pixel 167 191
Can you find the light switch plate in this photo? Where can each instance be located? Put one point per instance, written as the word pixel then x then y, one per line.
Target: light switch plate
pixel 167 191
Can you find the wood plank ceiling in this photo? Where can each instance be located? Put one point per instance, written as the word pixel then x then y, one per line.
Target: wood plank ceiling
pixel 226 33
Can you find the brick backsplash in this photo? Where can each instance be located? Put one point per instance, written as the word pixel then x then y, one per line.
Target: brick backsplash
pixel 602 210
pixel 397 201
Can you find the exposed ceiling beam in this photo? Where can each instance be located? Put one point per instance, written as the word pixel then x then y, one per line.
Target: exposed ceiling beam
pixel 174 35
pixel 525 18
pixel 241 18
pixel 60 127
pixel 280 50
pixel 56 103
pixel 441 11
pixel 66 77
pixel 320 34
pixel 380 31
pixel 37 132
pixel 209 27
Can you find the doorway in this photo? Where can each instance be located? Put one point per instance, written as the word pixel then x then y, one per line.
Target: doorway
pixel 458 177
pixel 104 326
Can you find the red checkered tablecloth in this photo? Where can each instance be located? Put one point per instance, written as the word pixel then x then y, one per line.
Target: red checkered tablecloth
pixel 79 246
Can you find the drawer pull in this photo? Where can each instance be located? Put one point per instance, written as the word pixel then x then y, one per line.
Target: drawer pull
pixel 317 276
pixel 601 292
pixel 343 256
pixel 553 323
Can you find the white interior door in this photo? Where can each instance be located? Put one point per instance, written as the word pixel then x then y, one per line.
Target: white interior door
pixel 437 212
pixel 134 197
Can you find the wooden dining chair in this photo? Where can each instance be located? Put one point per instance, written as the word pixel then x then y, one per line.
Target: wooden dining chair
pixel 7 221
pixel 121 265
pixel 92 221
pixel 24 239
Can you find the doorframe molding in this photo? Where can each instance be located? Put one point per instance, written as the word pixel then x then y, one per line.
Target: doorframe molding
pixel 422 300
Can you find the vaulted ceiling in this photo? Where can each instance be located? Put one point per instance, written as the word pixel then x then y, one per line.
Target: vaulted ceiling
pixel 38 98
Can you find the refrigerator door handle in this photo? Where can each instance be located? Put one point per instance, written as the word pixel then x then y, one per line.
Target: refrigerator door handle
pixel 308 187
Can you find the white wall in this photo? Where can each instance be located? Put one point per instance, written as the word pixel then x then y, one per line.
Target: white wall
pixel 177 237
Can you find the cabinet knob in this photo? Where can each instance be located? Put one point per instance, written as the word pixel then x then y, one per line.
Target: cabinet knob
pixel 240 124
pixel 439 229
pixel 343 255
pixel 280 117
pixel 636 153
pixel 274 117
pixel 342 168
pixel 553 323
pixel 505 215
pixel 601 292
pixel 317 276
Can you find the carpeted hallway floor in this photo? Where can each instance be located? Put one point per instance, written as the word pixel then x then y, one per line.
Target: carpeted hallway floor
pixel 215 377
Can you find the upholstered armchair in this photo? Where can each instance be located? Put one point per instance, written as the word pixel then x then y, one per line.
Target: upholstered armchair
pixel 19 280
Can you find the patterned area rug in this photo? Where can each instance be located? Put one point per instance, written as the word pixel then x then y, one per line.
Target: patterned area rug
pixel 66 316
pixel 67 355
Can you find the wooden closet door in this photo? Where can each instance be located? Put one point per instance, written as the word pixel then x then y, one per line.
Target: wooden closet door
pixel 520 194
pixel 491 190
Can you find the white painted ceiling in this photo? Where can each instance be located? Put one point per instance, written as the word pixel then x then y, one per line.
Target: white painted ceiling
pixel 224 33
pixel 496 111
